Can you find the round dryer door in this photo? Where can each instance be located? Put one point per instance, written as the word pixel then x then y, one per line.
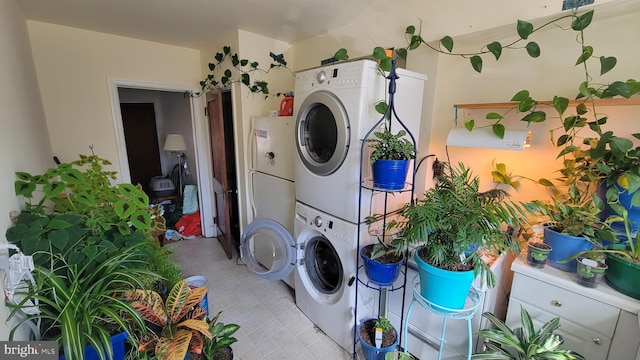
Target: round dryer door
pixel 268 249
pixel 322 133
pixel 323 265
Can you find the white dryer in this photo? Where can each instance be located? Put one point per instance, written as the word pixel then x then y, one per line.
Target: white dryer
pixel 322 256
pixel 334 110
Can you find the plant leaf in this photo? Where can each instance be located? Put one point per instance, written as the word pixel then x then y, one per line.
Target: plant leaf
pixel 341 54
pixel 524 29
pixel 447 43
pixel 581 22
pixel 533 49
pixel 498 130
pixel 606 64
pixel 469 124
pixel 476 63
pixel 496 49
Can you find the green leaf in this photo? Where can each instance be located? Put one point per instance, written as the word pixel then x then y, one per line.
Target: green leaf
pixel 25 189
pixel 476 63
pixel 59 239
pixel 533 49
pixel 385 64
pixel 545 182
pixel 563 140
pixel 496 49
pixel 560 104
pixel 245 78
pixel 524 29
pixel 141 219
pixel 410 30
pixel 226 50
pixel 521 95
pixel 498 129
pixel 606 64
pixel 581 22
pixel 379 53
pixel 469 124
pixel 415 42
pixel 494 116
pixel 617 88
pixel 535 117
pixel 53 189
pixel 447 43
pixel 341 54
pixel 72 176
pixel 587 51
pixel 402 53
pixel 381 107
pixel 227 73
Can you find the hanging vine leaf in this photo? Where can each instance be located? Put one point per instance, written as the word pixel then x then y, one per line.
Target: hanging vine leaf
pixel 606 64
pixel 533 49
pixel 410 30
pixel 469 124
pixel 244 62
pixel 416 40
pixel 447 43
pixel 494 116
pixel 235 60
pixel 587 51
pixel 498 129
pixel 476 62
pixel 379 53
pixel 341 54
pixel 524 29
pixel 402 53
pixel 535 117
pixel 581 22
pixel 560 104
pixel 219 57
pixel 496 49
pixel 245 79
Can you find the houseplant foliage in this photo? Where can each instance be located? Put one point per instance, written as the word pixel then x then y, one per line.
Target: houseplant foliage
pixel 524 342
pixel 453 219
pixel 367 335
pixel 75 210
pixel 176 325
pixel 221 337
pixel 229 68
pixel 83 304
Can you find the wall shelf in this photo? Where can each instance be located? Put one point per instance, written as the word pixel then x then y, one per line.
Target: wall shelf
pixel 511 104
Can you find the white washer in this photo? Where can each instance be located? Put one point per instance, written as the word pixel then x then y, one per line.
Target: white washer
pixel 334 110
pixel 323 259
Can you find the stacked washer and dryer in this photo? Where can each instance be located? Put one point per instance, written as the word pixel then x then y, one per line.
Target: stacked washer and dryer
pixel 334 109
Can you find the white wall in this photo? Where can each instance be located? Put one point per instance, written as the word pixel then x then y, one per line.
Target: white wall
pixel 73 66
pixel 453 81
pixel 24 142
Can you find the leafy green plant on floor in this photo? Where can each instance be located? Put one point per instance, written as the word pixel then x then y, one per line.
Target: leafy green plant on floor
pixel 79 306
pixel 222 336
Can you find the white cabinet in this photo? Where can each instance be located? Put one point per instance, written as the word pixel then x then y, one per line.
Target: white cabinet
pixel 598 323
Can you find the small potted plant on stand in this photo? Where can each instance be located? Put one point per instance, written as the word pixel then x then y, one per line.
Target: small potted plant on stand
pixel 447 226
pixel 381 260
pixel 537 254
pixel 390 158
pixel 377 338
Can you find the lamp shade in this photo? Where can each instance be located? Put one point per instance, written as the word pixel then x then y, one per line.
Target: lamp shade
pixel 485 138
pixel 174 142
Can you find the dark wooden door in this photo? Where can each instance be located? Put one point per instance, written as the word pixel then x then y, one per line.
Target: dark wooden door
pixel 141 137
pixel 221 188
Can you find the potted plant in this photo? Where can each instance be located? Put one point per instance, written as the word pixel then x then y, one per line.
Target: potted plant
pixel 378 330
pixel 68 295
pixel 537 254
pixel 219 346
pixel 447 226
pixel 524 342
pixel 175 325
pixel 390 158
pixel 75 223
pixel 381 261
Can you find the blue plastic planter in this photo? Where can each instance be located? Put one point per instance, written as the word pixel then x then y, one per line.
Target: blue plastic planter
pixel 564 246
pixel 448 289
pixel 625 200
pixel 117 342
pixel 373 353
pixel 389 174
pixel 379 273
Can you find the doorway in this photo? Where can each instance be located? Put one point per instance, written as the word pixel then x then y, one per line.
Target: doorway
pixel 175 113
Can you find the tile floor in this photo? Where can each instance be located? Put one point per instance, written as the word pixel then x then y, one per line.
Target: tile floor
pixel 271 326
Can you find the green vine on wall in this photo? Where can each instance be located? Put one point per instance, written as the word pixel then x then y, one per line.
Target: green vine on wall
pixel 229 68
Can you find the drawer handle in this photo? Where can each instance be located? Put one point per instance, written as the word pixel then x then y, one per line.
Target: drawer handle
pixel 557 303
pixel 597 341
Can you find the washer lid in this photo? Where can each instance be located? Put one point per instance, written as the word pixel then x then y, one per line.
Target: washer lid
pixel 270 234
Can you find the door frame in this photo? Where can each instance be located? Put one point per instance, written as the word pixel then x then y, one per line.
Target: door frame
pixel 200 134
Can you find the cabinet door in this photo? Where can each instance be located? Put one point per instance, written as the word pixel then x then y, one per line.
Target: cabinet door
pixel 588 343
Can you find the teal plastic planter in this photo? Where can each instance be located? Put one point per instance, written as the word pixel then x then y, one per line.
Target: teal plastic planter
pixel 445 288
pixel 390 174
pixel 564 246
pixel 117 342
pixel 373 353
pixel 379 273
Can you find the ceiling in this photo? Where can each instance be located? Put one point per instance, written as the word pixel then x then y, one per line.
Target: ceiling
pixel 196 23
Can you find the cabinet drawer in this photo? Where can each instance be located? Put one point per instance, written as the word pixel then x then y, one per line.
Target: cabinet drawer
pixel 592 314
pixel 588 343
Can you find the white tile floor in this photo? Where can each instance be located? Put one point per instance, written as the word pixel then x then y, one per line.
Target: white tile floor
pixel 271 326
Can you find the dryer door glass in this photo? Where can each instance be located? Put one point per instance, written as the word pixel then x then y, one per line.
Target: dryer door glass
pixel 323 265
pixel 270 235
pixel 322 133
